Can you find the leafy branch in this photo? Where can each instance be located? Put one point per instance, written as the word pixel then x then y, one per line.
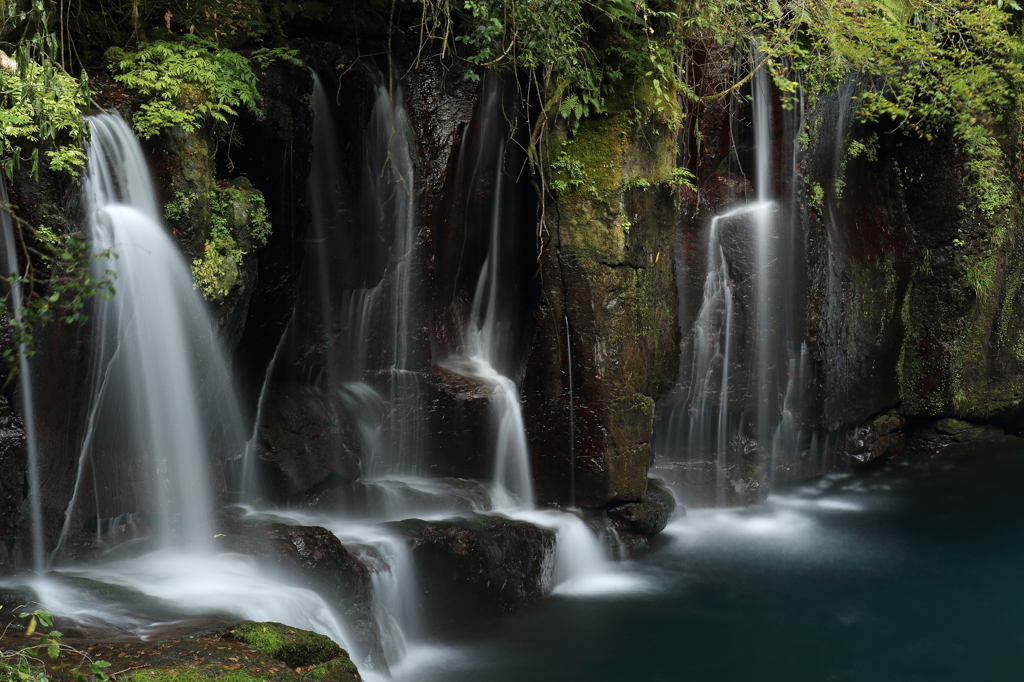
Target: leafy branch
pixel 68 280
pixel 26 663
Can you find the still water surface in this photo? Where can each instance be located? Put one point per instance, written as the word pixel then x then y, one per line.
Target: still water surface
pixel 903 573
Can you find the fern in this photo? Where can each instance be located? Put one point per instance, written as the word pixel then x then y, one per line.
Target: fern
pixel 897 10
pixel 190 83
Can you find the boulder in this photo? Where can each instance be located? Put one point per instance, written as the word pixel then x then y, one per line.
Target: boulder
pixel 314 558
pixel 475 568
pixel 649 516
pixel 878 436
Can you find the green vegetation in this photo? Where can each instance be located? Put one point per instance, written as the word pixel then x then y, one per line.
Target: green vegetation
pixel 39 102
pixel 25 664
pixel 190 82
pixel 297 648
pixel 178 207
pixel 234 212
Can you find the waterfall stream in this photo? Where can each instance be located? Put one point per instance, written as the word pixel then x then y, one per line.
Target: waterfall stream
pixel 25 383
pixel 737 418
pixel 161 403
pixel 162 409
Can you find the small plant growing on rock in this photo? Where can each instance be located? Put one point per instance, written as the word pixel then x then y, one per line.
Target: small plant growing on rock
pixel 25 664
pixel 232 210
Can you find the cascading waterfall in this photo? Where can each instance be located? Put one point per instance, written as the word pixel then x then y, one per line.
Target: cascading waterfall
pixel 162 404
pixel 487 330
pixel 164 438
pixel 375 325
pixel 25 383
pixel 748 370
pixel 489 335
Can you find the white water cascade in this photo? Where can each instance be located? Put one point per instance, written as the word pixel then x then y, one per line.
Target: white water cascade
pixel 25 383
pixel 489 330
pixel 161 404
pixel 746 376
pixel 161 407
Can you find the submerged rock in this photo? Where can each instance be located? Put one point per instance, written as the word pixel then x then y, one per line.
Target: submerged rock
pixel 944 438
pixel 475 568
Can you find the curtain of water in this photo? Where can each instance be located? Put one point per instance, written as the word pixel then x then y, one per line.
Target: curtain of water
pixel 749 368
pixel 490 333
pixel 25 382
pixel 162 404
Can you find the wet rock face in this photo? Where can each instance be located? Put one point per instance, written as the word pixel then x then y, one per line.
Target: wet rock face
pixel 306 436
pixel 312 557
pixel 458 412
pixel 606 337
pixel 12 463
pixel 476 568
pixel 275 157
pixel 860 246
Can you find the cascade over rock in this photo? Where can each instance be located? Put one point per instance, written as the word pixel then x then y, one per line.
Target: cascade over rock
pixel 421 362
pixel 476 568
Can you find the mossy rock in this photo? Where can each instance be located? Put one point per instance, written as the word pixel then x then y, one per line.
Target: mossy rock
pixel 297 648
pixel 341 669
pixel 16 596
pixel 183 674
pixel 953 427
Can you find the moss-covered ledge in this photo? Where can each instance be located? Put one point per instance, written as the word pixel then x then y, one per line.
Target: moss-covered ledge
pixel 609 303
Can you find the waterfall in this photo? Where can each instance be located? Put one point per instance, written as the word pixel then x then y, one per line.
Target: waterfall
pixel 735 417
pixel 25 382
pixel 161 403
pixel 489 350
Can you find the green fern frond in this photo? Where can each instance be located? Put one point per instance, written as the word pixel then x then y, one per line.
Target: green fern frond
pixel 896 10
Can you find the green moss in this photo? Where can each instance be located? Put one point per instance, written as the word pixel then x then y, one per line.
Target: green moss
pixel 1007 311
pixel 183 674
pixel 590 163
pixel 341 669
pixel 953 426
pixel 297 648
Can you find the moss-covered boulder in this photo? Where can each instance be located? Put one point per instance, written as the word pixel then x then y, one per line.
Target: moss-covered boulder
pixel 341 669
pixel 297 648
pixel 879 436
